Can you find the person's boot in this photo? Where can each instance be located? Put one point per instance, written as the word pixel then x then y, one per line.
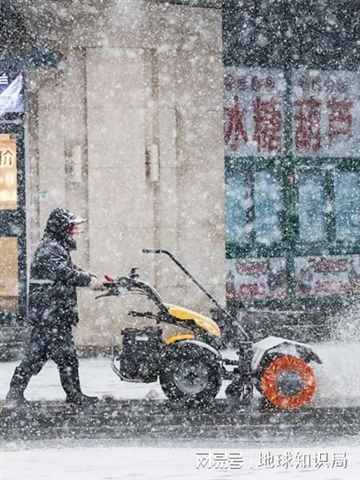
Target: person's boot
pixel 15 396
pixel 71 384
pixel 82 399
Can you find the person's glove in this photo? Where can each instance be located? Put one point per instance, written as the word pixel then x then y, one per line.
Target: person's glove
pixel 96 284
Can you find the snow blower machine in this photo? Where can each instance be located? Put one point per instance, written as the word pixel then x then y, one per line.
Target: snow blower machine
pixel 191 366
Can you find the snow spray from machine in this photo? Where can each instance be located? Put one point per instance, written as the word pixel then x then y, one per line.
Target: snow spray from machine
pixel 339 374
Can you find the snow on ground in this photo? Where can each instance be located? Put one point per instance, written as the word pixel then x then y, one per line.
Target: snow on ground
pixel 108 462
pixel 96 376
pixel 333 459
pixel 338 378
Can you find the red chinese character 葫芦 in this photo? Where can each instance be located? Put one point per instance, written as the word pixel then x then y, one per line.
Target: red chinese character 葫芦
pixel 235 132
pixel 340 118
pixel 267 124
pixel 307 125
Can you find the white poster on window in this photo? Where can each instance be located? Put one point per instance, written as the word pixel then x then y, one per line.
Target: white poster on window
pixel 253 111
pixel 326 115
pixel 256 279
pixel 323 276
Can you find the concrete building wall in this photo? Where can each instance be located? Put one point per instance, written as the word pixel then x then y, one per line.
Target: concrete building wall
pixel 128 132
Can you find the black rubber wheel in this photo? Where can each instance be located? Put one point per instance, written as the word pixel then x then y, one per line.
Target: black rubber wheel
pixel 190 374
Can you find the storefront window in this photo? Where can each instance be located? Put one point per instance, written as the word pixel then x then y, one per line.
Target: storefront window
pixel 8 173
pixel 268 205
pixel 238 200
pixel 8 273
pixel 347 205
pixel 311 208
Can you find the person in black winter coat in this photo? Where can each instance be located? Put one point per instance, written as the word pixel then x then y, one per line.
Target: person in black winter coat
pixel 53 309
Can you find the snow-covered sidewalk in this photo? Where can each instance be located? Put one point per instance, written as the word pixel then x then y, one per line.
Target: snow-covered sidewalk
pixel 111 462
pixel 96 375
pixel 336 458
pixel 338 378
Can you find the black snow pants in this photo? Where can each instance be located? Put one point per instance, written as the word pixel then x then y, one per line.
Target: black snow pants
pixel 55 344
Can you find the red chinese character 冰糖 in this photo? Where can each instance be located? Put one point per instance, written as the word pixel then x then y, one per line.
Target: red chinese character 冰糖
pixel 268 124
pixel 307 125
pixel 340 118
pixel 234 125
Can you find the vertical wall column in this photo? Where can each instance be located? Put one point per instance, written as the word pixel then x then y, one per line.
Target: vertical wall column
pixel 51 147
pixel 120 210
pixel 75 145
pixel 168 194
pixel 57 145
pixel 120 202
pixel 200 155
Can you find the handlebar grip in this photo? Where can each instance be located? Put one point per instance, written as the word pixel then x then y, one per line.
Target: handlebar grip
pixel 133 313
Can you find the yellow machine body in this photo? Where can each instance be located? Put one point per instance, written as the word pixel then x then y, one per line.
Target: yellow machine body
pixel 203 322
pixel 177 338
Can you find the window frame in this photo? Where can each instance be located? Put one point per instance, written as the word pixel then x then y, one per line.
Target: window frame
pixel 249 167
pixel 13 222
pixel 286 166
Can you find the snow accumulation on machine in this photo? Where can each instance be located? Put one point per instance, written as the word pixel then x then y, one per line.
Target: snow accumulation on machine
pixel 191 365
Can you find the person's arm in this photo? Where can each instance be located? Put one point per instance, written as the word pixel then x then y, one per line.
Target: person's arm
pixel 95 283
pixel 64 271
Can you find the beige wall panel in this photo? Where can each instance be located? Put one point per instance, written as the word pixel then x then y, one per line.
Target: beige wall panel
pixel 120 203
pixel 202 143
pixel 168 204
pixel 168 195
pixel 201 164
pixel 119 23
pixel 202 218
pixel 204 201
pixel 165 25
pixel 51 149
pixel 75 146
pixel 115 79
pixel 199 173
pixel 201 170
pixel 116 103
pixel 118 248
pixel 200 79
pixel 203 29
pixel 119 198
pixel 74 97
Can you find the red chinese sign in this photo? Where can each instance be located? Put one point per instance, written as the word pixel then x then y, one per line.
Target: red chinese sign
pixel 325 105
pixel 250 279
pixel 324 111
pixel 307 119
pixel 322 276
pixel 253 123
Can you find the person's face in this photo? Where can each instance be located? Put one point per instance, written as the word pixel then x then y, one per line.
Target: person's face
pixel 74 229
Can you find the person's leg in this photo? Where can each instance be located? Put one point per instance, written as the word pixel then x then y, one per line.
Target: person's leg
pixel 32 363
pixel 65 356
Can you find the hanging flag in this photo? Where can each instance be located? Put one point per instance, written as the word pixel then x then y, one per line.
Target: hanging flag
pixel 11 98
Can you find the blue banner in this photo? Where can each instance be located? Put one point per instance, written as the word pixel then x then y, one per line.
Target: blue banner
pixel 11 95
